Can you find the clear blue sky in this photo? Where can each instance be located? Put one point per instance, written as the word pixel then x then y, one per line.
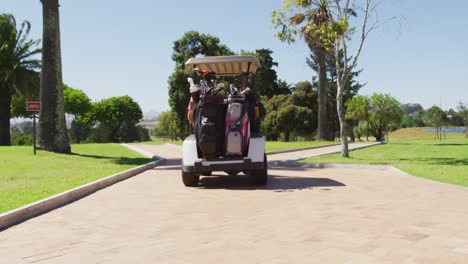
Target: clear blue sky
pixel 116 47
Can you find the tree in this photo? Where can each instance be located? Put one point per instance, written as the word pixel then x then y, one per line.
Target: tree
pixel 284 87
pixel 385 112
pixel 305 86
pixel 270 127
pixel 18 78
pixel 287 119
pixel 350 90
pixel 76 102
pixel 190 45
pixel 362 129
pixel 357 109
pixel 307 99
pixel 291 115
pixel 308 19
pixel 53 134
pixel 80 130
pixel 118 114
pixel 412 108
pixel 166 125
pixel 265 80
pixel 381 111
pixel 332 33
pixel 193 43
pixel 340 32
pixel 437 117
pixel 292 120
pixel 415 120
pixel 463 111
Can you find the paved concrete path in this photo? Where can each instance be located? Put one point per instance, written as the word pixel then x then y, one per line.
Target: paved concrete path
pixel 301 216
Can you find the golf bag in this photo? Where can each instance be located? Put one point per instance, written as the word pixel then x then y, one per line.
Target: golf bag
pixel 237 126
pixel 210 124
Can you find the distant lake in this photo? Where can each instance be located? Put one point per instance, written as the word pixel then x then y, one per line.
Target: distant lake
pixel 449 130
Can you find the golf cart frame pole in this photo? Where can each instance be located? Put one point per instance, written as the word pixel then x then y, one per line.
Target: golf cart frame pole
pixel 245 81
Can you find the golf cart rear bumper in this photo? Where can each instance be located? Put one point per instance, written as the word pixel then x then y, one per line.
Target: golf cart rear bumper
pixel 209 166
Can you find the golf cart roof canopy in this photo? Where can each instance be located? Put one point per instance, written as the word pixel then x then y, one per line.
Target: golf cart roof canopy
pixel 224 65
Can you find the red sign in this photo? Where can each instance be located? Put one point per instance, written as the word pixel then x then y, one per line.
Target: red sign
pixel 33 106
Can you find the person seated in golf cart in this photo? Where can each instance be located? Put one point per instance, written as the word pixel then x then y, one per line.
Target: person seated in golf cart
pixel 251 99
pixel 209 76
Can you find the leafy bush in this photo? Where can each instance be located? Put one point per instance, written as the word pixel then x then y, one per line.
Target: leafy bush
pixel 79 131
pixel 100 134
pixel 126 133
pixel 19 139
pixel 361 130
pixel 166 126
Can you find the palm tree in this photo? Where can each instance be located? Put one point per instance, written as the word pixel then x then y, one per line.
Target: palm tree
pixel 17 65
pixel 311 21
pixel 52 127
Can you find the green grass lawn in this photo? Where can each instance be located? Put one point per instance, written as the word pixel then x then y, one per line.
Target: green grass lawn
pixel 25 178
pixel 416 152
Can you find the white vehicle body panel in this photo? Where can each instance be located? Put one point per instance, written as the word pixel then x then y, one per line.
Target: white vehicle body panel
pixel 190 155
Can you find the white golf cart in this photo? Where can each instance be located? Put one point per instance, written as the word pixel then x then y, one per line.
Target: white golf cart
pixel 222 140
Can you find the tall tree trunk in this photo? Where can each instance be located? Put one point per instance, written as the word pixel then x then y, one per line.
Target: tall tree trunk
pixel 341 117
pixel 323 131
pixel 367 129
pixel 351 131
pixel 286 135
pixel 52 127
pixel 5 102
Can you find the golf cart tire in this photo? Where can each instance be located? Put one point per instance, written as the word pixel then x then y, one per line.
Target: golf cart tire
pixel 260 177
pixel 190 179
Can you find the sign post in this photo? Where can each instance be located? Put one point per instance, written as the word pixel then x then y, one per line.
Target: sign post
pixel 34 106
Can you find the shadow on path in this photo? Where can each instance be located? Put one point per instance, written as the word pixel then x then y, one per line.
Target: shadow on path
pixel 275 183
pixel 169 164
pixel 279 183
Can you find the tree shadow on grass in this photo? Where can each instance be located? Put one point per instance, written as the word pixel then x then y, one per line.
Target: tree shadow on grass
pixel 118 160
pixel 400 143
pixel 132 161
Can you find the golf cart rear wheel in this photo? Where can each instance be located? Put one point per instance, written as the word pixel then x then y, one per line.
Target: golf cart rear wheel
pixel 190 179
pixel 260 177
